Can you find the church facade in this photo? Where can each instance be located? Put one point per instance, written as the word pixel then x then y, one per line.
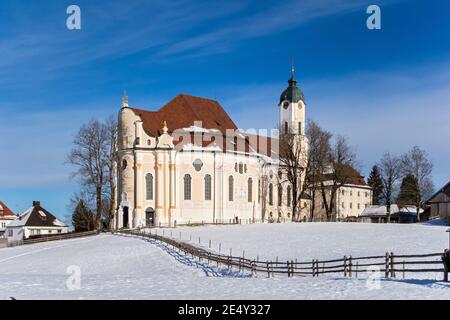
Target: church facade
pixel 189 163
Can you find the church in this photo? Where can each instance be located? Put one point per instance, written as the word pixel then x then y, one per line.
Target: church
pixel 189 163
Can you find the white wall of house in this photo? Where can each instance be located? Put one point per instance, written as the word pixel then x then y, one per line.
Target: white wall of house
pixel 15 234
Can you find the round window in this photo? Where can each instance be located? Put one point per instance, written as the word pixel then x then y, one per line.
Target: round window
pixel 198 164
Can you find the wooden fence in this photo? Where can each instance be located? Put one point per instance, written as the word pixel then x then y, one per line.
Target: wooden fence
pixel 389 264
pixel 60 237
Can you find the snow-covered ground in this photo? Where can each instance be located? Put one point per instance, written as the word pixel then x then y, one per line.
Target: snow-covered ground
pixel 321 240
pixel 120 267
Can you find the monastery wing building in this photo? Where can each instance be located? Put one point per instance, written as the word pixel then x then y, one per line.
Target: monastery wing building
pixel 189 163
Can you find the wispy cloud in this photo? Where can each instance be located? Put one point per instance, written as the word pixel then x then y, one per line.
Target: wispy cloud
pixel 382 111
pixel 276 18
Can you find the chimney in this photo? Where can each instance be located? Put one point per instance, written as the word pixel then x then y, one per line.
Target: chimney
pixel 36 203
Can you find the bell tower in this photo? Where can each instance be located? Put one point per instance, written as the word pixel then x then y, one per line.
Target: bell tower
pixel 292 108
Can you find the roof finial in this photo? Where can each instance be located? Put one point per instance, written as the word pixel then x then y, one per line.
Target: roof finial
pixel 165 129
pixel 292 66
pixel 125 99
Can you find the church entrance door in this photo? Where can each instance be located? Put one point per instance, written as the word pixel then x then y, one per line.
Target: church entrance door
pixel 149 217
pixel 125 217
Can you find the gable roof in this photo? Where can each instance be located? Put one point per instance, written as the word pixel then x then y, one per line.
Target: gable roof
pixel 381 211
pixel 5 211
pixel 36 216
pixel 182 112
pixel 445 189
pixel 347 173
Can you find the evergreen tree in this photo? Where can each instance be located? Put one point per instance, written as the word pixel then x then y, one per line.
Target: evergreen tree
pixel 376 183
pixel 409 192
pixel 83 217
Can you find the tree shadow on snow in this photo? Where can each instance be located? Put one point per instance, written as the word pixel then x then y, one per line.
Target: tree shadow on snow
pixel 210 269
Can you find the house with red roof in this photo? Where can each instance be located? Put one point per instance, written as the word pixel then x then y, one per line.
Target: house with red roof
pixel 6 216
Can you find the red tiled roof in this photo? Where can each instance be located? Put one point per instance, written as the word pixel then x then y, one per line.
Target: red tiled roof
pixel 348 173
pixel 183 111
pixel 6 211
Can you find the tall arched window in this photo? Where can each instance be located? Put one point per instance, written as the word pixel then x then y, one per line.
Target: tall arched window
pixel 149 186
pixel 230 188
pixel 259 190
pixel 270 194
pixel 299 127
pixel 286 128
pixel 187 187
pixel 250 190
pixel 208 187
pixel 288 194
pixel 280 195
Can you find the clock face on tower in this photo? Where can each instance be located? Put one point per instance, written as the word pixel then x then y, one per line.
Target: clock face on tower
pixel 285 104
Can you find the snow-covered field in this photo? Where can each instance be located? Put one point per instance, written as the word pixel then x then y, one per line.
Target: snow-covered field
pixel 305 241
pixel 119 267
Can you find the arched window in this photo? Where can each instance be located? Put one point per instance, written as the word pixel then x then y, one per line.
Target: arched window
pixel 230 188
pixel 280 195
pixel 149 186
pixel 241 167
pixel 124 164
pixel 288 194
pixel 299 127
pixel 187 187
pixel 286 128
pixel 270 194
pixel 259 190
pixel 208 187
pixel 250 190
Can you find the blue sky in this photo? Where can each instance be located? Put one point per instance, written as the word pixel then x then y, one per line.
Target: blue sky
pixel 387 89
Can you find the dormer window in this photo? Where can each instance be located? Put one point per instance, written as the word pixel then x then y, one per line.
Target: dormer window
pixel 285 104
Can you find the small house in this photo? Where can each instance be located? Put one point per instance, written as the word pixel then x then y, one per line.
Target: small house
pixel 440 204
pixel 34 222
pixel 379 214
pixel 6 216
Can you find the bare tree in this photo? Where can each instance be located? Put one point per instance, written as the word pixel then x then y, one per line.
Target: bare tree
pixel 389 166
pixel 417 164
pixel 111 162
pixel 294 168
pixel 336 172
pixel 318 157
pixel 89 157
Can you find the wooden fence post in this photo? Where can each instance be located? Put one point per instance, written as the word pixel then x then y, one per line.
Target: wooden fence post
pixel 345 266
pixel 313 268
pixel 446 261
pixel 288 269
pixel 392 267
pixel 268 270
pixel 350 267
pixel 386 260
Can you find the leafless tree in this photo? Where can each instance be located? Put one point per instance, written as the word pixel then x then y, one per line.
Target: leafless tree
pixel 389 166
pixel 111 162
pixel 318 157
pixel 337 171
pixel 293 167
pixel 417 164
pixel 89 157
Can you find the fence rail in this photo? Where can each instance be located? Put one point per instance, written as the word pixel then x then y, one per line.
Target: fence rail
pixel 60 237
pixel 349 266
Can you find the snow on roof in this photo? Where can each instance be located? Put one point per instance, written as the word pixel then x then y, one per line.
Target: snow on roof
pixel 382 210
pixel 22 219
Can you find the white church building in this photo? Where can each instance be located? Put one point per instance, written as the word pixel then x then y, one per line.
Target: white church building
pixel 189 163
